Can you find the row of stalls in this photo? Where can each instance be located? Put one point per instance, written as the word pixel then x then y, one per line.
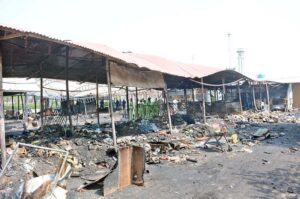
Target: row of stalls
pixel 31 55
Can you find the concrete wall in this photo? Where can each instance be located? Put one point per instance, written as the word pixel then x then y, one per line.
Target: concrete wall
pixel 296 95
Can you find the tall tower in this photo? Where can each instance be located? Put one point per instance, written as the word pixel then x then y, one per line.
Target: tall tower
pixel 240 53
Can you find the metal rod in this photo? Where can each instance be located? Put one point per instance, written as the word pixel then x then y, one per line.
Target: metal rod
pixel 97 100
pixel 2 122
pixel 41 97
pixel 240 97
pixel 203 101
pixel 168 109
pixel 111 103
pixel 67 88
pixel 137 103
pixel 268 96
pixel 127 102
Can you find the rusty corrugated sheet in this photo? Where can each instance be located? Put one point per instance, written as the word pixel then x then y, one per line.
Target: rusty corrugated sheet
pixel 150 62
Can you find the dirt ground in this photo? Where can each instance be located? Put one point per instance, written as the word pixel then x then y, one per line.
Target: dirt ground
pixel 271 171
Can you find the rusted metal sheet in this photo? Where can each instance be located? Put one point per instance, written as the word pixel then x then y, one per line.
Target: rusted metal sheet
pixel 130 170
pixel 122 75
pixel 125 158
pixel 138 165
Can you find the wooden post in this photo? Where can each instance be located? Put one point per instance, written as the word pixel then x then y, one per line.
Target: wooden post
pixel 268 97
pixel 111 111
pixel 67 88
pixel 41 97
pixel 97 100
pixel 137 103
pixel 34 99
pixel 240 97
pixel 203 101
pixel 127 102
pixel 168 109
pixel 254 99
pixel 2 122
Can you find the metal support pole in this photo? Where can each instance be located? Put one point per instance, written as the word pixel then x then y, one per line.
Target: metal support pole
pixel 41 97
pixel 25 114
pixel 56 104
pixel 110 103
pixel 224 89
pixel 168 109
pixel 18 104
pixel 67 88
pixel 254 99
pixel 224 94
pixel 137 103
pixel 240 97
pixel 34 99
pixel 22 104
pixel 97 100
pixel 84 105
pixel 2 122
pixel 185 99
pixel 268 97
pixel 260 94
pixel 193 95
pixel 12 105
pixel 203 101
pixel 127 102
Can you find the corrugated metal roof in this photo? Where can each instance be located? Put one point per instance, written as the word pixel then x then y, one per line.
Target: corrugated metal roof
pixel 150 62
pixel 177 68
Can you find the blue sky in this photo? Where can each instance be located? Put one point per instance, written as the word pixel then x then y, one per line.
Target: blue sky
pixel 183 30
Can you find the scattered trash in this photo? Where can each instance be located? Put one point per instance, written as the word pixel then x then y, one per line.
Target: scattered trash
pixel 290 190
pixel 233 139
pixel 92 160
pixel 294 149
pixel 191 159
pixel 261 134
pixel 244 149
